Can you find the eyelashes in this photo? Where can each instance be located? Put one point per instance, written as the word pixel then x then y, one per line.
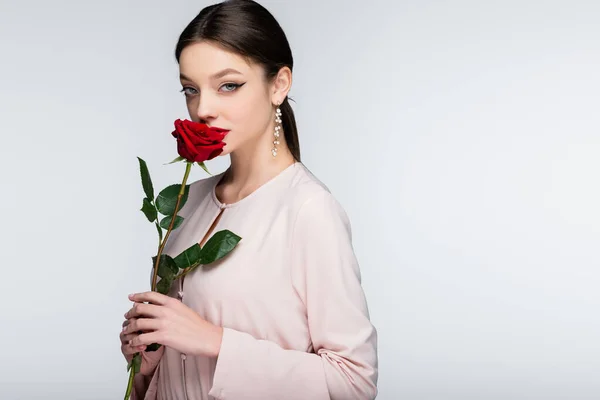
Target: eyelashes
pixel 190 91
pixel 186 93
pixel 236 86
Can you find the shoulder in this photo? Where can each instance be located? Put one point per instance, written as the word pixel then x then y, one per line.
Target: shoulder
pixel 314 204
pixel 204 186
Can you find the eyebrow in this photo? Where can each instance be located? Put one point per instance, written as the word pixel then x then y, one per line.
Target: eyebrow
pixel 218 75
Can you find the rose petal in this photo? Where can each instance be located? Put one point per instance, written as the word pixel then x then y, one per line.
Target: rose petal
pixel 197 142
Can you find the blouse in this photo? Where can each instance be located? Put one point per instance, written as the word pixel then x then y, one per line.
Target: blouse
pixel 289 298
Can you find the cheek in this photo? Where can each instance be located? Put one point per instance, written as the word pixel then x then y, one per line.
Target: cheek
pixel 249 115
pixel 192 110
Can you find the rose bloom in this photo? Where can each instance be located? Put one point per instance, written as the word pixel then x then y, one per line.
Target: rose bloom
pixel 197 142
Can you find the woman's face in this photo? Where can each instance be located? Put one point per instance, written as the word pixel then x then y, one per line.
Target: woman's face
pixel 222 90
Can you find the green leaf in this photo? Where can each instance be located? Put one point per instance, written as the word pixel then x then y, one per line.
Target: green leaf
pixel 153 347
pixel 167 199
pixel 218 246
pixel 164 285
pixel 146 181
pixel 160 232
pixel 189 257
pixel 178 159
pixel 167 268
pixel 201 164
pixel 149 210
pixel 137 362
pixel 166 221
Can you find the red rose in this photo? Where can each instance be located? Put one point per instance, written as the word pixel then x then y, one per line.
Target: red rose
pixel 197 142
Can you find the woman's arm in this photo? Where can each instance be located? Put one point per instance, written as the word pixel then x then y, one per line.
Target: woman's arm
pixel 326 276
pixel 140 386
pixel 144 381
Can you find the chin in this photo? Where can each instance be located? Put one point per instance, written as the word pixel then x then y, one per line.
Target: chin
pixel 225 151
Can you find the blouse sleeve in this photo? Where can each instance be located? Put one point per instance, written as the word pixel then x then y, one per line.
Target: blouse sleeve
pixel 326 276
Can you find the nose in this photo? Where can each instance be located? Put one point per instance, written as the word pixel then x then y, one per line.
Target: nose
pixel 206 111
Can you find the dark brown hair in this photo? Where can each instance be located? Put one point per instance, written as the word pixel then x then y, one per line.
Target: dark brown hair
pixel 251 31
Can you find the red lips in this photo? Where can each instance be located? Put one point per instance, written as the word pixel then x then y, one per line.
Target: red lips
pixel 222 131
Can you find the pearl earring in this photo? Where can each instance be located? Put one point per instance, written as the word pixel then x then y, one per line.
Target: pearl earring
pixel 277 131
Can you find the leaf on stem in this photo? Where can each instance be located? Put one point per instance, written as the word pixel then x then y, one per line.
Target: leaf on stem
pixel 189 257
pixel 152 347
pixel 203 166
pixel 167 268
pixel 149 210
pixel 218 246
pixel 178 159
pixel 164 285
pixel 167 199
pixel 136 363
pixel 166 221
pixel 146 181
pixel 160 232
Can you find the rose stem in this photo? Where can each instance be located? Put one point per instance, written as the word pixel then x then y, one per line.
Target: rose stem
pixel 188 168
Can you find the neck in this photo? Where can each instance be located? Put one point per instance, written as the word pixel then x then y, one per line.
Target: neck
pixel 252 167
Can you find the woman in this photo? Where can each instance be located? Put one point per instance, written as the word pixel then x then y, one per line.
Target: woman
pixel 284 315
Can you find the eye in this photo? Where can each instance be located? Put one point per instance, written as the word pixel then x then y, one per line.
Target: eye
pixel 188 91
pixel 231 87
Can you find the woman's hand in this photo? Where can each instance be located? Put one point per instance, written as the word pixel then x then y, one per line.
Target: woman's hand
pixel 169 322
pixel 150 359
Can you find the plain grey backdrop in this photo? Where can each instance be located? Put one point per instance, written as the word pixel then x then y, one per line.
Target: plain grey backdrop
pixel 462 138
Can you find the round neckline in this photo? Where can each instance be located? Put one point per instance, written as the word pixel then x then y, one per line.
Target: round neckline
pixel 218 178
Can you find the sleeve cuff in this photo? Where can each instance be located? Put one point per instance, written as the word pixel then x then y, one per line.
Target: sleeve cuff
pixel 230 345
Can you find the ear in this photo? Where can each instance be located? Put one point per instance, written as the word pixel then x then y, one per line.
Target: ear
pixel 281 85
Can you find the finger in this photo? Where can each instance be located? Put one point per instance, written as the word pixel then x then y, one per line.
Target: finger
pixel 147 339
pixel 151 297
pixel 143 324
pixel 144 310
pixel 127 321
pixel 129 350
pixel 132 331
pixel 125 338
pixel 124 331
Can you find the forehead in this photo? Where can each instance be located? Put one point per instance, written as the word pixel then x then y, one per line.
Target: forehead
pixel 203 59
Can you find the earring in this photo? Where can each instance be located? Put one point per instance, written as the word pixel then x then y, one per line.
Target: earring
pixel 277 131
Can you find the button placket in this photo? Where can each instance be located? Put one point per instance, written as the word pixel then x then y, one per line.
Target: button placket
pixel 180 296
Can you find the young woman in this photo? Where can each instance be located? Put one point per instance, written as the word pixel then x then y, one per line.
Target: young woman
pixel 283 316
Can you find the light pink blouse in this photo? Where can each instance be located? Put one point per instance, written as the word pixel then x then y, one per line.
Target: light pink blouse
pixel 289 297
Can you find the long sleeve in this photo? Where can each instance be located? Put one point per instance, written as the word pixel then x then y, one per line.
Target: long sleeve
pixel 140 386
pixel 144 382
pixel 325 275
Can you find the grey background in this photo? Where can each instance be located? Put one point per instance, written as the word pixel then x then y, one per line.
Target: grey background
pixel 462 137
